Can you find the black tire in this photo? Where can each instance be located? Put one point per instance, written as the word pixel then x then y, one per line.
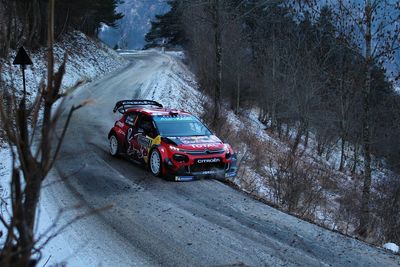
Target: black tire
pixel 155 163
pixel 114 145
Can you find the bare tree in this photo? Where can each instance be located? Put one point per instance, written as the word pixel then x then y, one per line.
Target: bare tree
pixel 376 23
pixel 33 155
pixel 372 25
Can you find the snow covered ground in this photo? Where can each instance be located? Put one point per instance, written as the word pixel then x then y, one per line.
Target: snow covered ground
pixel 5 171
pixel 392 247
pixel 87 59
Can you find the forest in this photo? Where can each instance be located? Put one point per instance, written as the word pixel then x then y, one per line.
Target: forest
pixel 315 70
pixel 23 22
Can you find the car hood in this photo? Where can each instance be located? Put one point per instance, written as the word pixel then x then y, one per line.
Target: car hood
pixel 198 142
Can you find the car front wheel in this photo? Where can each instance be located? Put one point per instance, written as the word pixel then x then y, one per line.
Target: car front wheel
pixel 155 163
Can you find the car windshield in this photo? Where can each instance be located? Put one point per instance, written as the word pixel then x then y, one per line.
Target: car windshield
pixel 180 125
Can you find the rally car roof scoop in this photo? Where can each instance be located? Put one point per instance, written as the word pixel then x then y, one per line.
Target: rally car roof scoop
pixel 123 105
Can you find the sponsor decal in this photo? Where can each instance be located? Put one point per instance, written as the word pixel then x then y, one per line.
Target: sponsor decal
pixel 120 124
pixel 119 131
pixel 208 172
pixel 184 178
pixel 230 174
pixel 204 146
pixel 213 160
pixel 152 142
pixel 206 140
pixel 156 141
pixel 141 151
pixel 174 118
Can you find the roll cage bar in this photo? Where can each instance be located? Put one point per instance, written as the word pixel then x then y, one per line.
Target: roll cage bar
pixel 123 105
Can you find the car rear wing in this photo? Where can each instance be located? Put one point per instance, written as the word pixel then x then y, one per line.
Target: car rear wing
pixel 123 105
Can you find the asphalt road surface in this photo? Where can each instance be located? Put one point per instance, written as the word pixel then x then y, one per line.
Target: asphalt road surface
pixel 155 222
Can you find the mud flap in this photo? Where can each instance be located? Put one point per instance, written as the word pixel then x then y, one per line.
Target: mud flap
pixel 233 168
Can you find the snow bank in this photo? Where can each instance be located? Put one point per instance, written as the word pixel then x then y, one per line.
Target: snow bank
pixel 5 176
pixel 176 86
pixel 87 59
pixel 392 247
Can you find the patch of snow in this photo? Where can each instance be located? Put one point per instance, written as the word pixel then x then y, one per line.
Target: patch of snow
pixel 86 59
pixel 176 86
pixel 177 54
pixel 392 247
pixel 104 27
pixel 127 52
pixel 5 178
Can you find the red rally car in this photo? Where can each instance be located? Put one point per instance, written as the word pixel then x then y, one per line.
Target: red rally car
pixel 171 143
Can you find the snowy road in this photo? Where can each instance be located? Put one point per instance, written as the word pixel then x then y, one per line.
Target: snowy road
pixel 154 222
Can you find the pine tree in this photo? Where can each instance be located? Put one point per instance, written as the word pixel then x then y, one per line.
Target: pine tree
pixel 167 29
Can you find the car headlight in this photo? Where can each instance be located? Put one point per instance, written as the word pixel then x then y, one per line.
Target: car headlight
pixel 174 148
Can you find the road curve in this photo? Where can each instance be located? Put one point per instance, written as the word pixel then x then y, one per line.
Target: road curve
pixel 155 222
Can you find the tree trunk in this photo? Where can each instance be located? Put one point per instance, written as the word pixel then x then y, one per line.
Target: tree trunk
pixel 238 94
pixel 320 148
pixel 366 131
pixel 306 139
pixel 297 139
pixel 279 129
pixel 355 159
pixel 273 104
pixel 343 142
pixel 218 61
pixel 342 113
pixel 287 131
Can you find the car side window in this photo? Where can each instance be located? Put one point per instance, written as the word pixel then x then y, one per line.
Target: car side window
pixel 146 123
pixel 130 119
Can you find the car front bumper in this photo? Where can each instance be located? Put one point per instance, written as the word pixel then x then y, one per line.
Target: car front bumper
pixel 221 174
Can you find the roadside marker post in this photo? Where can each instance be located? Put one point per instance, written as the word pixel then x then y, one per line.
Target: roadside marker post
pixel 22 59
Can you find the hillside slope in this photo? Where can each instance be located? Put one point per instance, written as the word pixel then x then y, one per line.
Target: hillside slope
pixel 87 59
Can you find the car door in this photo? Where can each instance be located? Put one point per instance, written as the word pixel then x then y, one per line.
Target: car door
pixel 143 136
pixel 129 128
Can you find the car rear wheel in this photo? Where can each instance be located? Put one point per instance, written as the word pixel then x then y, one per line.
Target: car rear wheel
pixel 155 163
pixel 114 145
